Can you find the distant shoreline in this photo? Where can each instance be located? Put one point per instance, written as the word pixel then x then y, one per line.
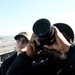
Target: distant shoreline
pixel 1 37
pixel 7 44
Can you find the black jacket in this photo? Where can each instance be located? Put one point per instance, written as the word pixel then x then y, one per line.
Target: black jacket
pixel 24 65
pixel 6 63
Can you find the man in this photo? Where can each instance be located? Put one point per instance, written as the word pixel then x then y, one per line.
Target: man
pixel 21 42
pixel 23 64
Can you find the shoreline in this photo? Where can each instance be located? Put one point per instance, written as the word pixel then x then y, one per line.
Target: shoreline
pixel 6 45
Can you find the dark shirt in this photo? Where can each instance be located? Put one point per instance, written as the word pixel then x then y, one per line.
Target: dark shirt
pixel 23 65
pixel 6 63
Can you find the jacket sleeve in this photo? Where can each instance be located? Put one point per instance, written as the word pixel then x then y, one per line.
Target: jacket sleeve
pixel 71 56
pixel 21 65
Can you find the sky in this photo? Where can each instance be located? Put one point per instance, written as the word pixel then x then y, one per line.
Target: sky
pixel 20 15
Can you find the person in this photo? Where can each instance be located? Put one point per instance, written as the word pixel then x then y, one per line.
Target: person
pixel 21 39
pixel 23 64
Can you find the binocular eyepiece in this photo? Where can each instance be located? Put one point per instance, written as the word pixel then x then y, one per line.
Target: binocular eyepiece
pixel 43 29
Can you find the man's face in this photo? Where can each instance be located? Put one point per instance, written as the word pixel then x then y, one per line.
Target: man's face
pixel 21 42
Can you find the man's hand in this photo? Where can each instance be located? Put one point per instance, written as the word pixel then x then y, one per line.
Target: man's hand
pixel 60 44
pixel 31 48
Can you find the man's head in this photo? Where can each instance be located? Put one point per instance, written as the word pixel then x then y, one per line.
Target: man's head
pixel 66 30
pixel 22 39
pixel 68 33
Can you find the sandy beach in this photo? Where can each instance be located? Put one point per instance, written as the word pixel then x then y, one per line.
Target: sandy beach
pixel 7 45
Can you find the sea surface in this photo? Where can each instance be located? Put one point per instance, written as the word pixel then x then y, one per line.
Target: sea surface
pixel 6 37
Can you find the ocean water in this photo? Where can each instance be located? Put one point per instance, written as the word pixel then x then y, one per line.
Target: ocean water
pixel 6 36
